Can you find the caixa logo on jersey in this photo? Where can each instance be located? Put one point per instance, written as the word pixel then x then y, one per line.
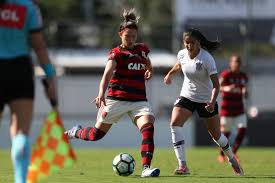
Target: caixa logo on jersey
pixel 12 16
pixel 136 66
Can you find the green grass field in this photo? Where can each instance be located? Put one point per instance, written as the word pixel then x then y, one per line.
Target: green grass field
pixel 94 165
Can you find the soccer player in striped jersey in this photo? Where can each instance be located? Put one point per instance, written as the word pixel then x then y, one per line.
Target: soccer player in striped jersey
pixel 125 74
pixel 199 93
pixel 233 92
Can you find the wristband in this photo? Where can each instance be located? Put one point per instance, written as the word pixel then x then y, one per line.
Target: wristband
pixel 49 70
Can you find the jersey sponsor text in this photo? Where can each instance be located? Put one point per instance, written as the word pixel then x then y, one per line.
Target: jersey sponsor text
pixel 12 16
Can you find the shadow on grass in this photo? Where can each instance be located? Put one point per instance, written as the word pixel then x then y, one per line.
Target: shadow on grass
pixel 239 177
pixel 210 177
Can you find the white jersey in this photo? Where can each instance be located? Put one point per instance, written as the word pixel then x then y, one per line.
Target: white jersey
pixel 197 85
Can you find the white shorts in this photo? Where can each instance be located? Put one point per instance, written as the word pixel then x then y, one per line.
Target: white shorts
pixel 228 122
pixel 115 110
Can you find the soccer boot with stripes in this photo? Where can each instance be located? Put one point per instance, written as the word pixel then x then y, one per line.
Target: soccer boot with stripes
pixel 71 134
pixel 236 167
pixel 182 170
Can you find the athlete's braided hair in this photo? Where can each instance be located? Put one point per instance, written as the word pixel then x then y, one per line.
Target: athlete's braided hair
pixel 130 20
pixel 205 43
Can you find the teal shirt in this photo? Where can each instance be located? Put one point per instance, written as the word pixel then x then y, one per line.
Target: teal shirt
pixel 17 19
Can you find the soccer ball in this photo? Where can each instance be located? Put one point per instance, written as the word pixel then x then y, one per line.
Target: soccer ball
pixel 124 164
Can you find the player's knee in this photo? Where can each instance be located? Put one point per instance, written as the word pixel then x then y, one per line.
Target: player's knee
pixel 216 135
pixel 241 132
pixel 242 125
pixel 222 141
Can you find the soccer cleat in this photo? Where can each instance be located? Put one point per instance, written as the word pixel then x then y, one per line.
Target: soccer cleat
pixel 147 172
pixel 221 159
pixel 72 132
pixel 182 170
pixel 236 167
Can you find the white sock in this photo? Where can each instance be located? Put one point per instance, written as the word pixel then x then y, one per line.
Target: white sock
pixel 178 144
pixel 224 144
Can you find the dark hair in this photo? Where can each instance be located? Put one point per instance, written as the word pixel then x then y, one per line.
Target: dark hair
pixel 205 43
pixel 130 20
pixel 2 1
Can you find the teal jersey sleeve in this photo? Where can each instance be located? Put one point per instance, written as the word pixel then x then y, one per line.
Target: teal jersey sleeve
pixel 21 18
pixel 34 19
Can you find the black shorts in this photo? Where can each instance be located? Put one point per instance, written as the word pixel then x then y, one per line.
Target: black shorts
pixel 199 107
pixel 16 80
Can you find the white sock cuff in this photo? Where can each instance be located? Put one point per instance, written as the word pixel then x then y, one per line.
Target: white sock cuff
pixel 177 134
pixel 222 141
pixel 176 129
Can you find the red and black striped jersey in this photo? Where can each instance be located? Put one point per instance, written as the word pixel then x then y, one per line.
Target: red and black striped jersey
pixel 232 102
pixel 127 82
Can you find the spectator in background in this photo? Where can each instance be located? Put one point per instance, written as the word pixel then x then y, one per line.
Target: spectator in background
pixel 20 29
pixel 199 93
pixel 233 92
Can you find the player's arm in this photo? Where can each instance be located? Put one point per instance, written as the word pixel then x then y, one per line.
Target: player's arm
pixel 245 92
pixel 215 92
pixel 168 78
pixel 244 88
pixel 108 72
pixel 226 87
pixel 221 81
pixel 223 86
pixel 216 87
pixel 149 70
pixel 40 49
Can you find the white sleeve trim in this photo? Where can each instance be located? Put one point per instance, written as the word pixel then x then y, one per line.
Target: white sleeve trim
pixel 213 72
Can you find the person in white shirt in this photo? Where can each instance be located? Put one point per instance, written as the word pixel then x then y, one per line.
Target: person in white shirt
pixel 199 93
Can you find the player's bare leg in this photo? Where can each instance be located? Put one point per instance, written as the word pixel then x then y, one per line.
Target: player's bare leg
pixel 21 117
pixel 213 126
pixel 238 141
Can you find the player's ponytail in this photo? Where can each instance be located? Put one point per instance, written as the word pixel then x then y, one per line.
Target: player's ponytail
pixel 130 20
pixel 205 43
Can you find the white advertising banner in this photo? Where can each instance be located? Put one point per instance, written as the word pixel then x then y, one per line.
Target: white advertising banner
pixel 220 9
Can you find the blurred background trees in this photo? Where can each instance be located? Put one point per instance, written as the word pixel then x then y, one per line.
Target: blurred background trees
pixel 95 23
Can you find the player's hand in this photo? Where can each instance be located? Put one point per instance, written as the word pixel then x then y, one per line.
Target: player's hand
pixel 210 106
pixel 167 79
pixel 244 92
pixel 148 75
pixel 233 88
pixel 99 102
pixel 51 90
